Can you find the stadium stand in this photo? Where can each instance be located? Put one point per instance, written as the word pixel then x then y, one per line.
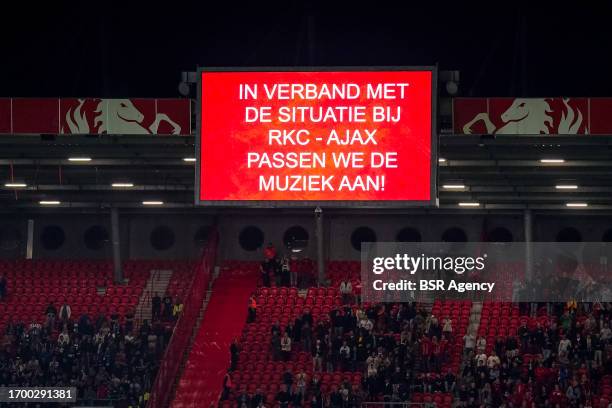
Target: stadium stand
pixel 344 353
pixel 66 323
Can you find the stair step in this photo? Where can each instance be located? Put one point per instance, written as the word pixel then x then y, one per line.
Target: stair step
pixel 157 283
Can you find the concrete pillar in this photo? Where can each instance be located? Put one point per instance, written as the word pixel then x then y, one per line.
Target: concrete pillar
pixel 319 236
pixel 528 226
pixel 117 270
pixel 30 242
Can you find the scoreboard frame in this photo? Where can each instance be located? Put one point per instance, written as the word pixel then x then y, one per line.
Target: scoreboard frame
pixel 350 204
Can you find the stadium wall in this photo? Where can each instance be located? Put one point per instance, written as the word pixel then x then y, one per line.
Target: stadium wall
pixel 182 235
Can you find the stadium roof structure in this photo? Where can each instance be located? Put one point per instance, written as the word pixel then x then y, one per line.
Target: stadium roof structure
pixel 498 173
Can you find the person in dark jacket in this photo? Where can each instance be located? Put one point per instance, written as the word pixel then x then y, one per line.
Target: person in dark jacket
pixel 234 352
pixel 168 305
pixel 3 284
pixel 155 307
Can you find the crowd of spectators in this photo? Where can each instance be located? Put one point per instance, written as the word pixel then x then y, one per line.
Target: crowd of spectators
pixel 107 358
pixel 108 361
pixel 558 363
pixel 401 350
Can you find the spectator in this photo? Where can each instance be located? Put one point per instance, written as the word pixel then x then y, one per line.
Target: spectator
pixel 605 333
pixel 3 284
pixel 252 312
pixel 258 400
pixel 285 272
pixel 275 345
pixel 493 361
pixel 85 327
pixel 318 355
pixel 447 328
pixel 65 312
pixel 481 359
pixel 244 401
pixel 156 307
pixel 283 397
pixel 234 353
pixel 227 386
pixel 129 322
pixel 177 309
pixel 278 272
pixel 346 290
pixel 293 271
pixel 301 382
pixel 285 347
pixel 564 348
pixel 345 356
pixel 306 336
pixel 288 379
pixel 51 313
pixel 270 252
pixel 450 381
pixel 469 343
pixel 481 345
pixel 168 305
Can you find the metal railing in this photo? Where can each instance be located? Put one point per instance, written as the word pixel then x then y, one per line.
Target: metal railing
pixel 170 363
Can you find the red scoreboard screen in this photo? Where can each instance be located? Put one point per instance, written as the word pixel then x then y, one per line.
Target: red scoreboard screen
pixel 335 137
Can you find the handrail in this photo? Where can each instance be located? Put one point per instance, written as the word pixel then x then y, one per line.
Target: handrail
pixel 181 334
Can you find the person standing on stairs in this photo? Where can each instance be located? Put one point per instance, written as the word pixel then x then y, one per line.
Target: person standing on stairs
pixel 252 313
pixel 234 353
pixel 155 307
pixel 168 305
pixel 227 386
pixel 177 309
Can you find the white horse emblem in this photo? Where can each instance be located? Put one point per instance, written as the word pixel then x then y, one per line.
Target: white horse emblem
pixel 116 116
pixel 530 116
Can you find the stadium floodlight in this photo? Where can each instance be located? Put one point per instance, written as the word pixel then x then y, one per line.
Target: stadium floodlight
pixel 469 204
pixel 122 185
pixel 189 159
pixel 566 187
pixel 576 205
pixel 453 186
pixel 552 161
pixel 49 202
pixel 15 185
pixel 153 203
pixel 79 159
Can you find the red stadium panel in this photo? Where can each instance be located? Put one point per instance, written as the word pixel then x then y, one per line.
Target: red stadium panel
pixel 5 115
pixel 35 115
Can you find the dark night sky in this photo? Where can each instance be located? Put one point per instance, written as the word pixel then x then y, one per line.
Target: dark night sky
pixel 104 48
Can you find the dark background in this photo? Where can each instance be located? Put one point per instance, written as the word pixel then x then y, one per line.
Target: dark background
pixel 115 49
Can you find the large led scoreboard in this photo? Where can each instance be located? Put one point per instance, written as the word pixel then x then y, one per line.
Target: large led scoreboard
pixel 336 137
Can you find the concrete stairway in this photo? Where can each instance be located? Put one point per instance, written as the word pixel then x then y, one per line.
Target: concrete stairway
pixel 157 283
pixel 475 319
pixel 472 329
